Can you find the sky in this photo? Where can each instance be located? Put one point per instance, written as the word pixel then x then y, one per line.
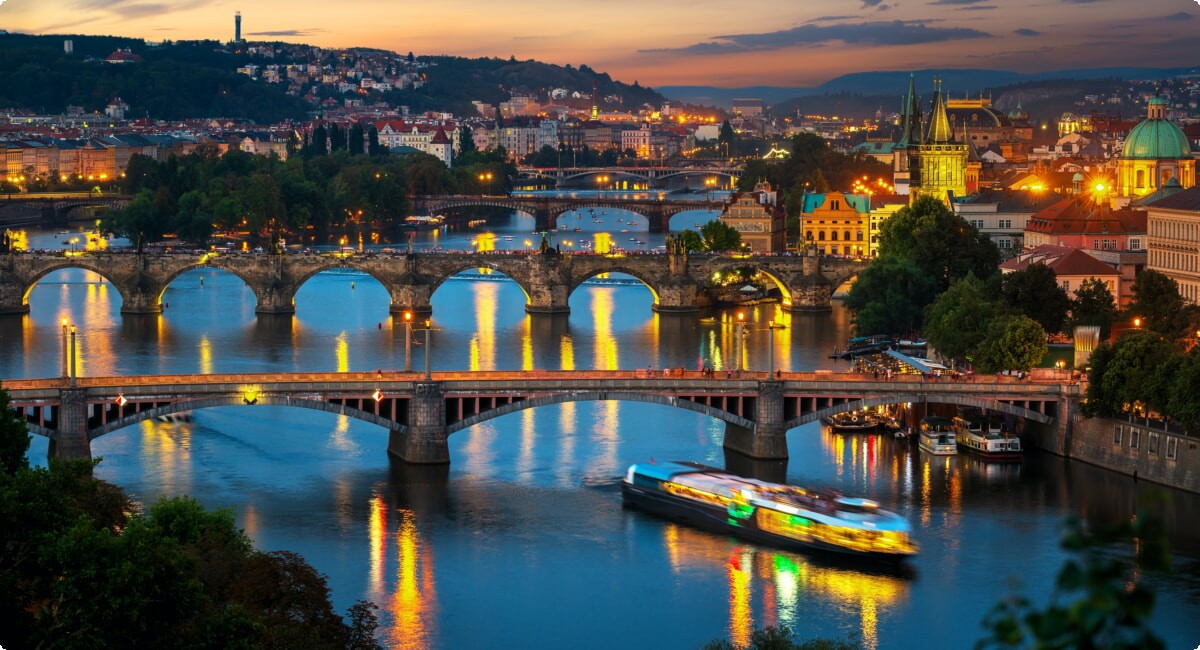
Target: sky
pixel 678 42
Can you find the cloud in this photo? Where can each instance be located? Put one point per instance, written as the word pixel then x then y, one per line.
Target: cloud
pixel 896 32
pixel 1183 15
pixel 1025 31
pixel 287 32
pixel 956 2
pixel 137 9
pixel 977 8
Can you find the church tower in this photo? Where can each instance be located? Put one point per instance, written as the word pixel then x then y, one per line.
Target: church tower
pixel 910 137
pixel 939 164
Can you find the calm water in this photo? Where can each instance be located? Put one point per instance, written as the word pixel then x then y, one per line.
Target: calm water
pixel 522 540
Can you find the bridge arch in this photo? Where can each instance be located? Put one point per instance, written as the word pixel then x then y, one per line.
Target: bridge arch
pixel 579 279
pixel 203 265
pixel 454 270
pixel 724 266
pixel 333 264
pixel 237 400
pixel 883 400
pixel 600 396
pixel 70 263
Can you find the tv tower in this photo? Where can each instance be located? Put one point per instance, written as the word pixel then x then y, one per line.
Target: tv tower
pixel 237 27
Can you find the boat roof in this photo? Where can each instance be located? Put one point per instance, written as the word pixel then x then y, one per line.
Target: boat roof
pixel 923 365
pixel 937 419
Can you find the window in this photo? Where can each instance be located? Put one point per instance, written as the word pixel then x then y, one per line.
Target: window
pixel 1135 243
pixel 1172 448
pixel 835 205
pixel 1134 434
pixel 1117 434
pixel 821 236
pixel 1005 224
pixel 1140 183
pixel 1066 286
pixel 978 223
pixel 860 235
pixel 1153 444
pixel 833 236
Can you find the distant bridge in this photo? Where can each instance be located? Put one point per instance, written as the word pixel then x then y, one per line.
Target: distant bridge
pixel 421 413
pixel 53 208
pixel 654 177
pixel 546 210
pixel 805 282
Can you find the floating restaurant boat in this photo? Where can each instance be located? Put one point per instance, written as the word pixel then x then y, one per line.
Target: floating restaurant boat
pixel 863 345
pixel 937 436
pixel 978 436
pixel 785 516
pixel 853 422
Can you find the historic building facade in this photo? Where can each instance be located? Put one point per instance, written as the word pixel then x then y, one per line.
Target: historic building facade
pixel 1174 240
pixel 1155 151
pixel 757 217
pixel 837 223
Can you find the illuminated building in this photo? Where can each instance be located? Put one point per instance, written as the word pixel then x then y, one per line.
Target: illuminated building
pixel 928 161
pixel 1155 151
pixel 837 223
pixel 1174 240
pixel 758 218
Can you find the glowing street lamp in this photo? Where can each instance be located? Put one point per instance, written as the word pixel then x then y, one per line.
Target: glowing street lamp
pixel 487 176
pixel 66 371
pixel 740 343
pixel 408 341
pixel 428 327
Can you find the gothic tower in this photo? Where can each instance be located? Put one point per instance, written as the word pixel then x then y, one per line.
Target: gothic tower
pixel 939 164
pixel 910 137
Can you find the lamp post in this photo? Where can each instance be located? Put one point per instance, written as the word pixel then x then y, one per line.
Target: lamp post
pixel 770 349
pixel 487 176
pixel 408 341
pixel 72 356
pixel 66 371
pixel 740 343
pixel 428 326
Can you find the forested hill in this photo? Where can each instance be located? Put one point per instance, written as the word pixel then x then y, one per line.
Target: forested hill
pixel 195 79
pixel 189 80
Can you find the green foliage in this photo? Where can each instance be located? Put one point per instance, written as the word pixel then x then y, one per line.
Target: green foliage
pixel 957 323
pixel 1099 600
pixel 1093 305
pixel 1011 343
pixel 1099 403
pixel 1157 302
pixel 720 236
pixel 780 637
pixel 691 241
pixel 140 221
pixel 890 296
pixel 1136 377
pixel 1034 292
pixel 1183 399
pixel 14 439
pixel 939 242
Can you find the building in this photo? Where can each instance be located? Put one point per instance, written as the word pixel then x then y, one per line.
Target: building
pixel 1089 222
pixel 928 161
pixel 1155 151
pixel 748 107
pixel 758 218
pixel 1072 267
pixel 837 223
pixel 1173 223
pixel 1003 214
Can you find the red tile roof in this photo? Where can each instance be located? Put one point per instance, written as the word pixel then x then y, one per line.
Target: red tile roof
pixel 1078 215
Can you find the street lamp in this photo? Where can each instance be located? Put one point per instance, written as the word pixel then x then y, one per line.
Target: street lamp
pixel 771 349
pixel 601 181
pixel 740 343
pixel 428 327
pixel 408 341
pixel 73 356
pixel 66 371
pixel 487 176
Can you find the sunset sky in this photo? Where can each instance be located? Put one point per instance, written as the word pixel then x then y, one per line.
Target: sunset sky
pixel 676 42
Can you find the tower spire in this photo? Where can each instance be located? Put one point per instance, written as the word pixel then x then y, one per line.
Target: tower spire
pixel 910 119
pixel 939 122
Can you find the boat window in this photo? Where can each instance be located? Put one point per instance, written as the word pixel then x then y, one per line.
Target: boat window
pixel 864 508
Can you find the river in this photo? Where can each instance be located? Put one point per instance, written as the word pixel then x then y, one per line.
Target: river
pixel 522 541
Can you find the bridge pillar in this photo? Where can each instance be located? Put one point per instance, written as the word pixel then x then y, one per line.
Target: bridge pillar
pixel 679 292
pixel 543 219
pixel 12 298
pixel 548 292
pixel 768 439
pixel 275 299
pixel 660 221
pixel 813 291
pixel 71 438
pixel 141 301
pixel 425 443
pixel 411 297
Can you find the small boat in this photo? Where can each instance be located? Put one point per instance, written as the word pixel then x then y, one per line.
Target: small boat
pixel 852 422
pixel 937 436
pixel 175 418
pixel 862 345
pixel 978 436
pixel 785 516
pixel 579 230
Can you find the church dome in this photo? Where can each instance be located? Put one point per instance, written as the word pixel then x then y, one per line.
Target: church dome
pixel 1156 138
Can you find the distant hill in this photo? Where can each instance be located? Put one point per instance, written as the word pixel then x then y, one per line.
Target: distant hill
pixel 893 84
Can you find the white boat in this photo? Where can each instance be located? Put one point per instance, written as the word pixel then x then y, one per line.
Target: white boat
pixel 987 439
pixel 937 436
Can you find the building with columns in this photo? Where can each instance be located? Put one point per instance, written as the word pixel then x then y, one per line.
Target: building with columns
pixel 837 223
pixel 758 218
pixel 1174 240
pixel 1155 151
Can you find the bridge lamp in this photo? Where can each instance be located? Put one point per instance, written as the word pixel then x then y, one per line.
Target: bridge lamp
pixel 250 396
pixel 120 400
pixel 428 327
pixel 408 341
pixel 66 371
pixel 1137 321
pixel 377 395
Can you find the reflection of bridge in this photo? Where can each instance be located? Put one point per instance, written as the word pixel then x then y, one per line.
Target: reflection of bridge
pixel 546 210
pixel 805 282
pixel 420 414
pixel 655 177
pixel 55 208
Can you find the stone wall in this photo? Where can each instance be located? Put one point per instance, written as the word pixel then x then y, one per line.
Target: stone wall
pixel 1131 449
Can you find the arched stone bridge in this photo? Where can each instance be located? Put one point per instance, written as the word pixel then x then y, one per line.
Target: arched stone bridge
pixel 652 175
pixel 56 208
pixel 546 210
pixel 420 414
pixel 806 282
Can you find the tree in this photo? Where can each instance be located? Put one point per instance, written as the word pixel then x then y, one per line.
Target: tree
pixel 1183 400
pixel 374 148
pixel 1133 379
pixel 691 241
pixel 466 141
pixel 14 439
pixel 1012 343
pixel 890 296
pixel 957 322
pixel 1157 302
pixel 720 236
pixel 1034 291
pixel 356 140
pixel 140 221
pixel 938 241
pixel 1093 305
pixel 726 136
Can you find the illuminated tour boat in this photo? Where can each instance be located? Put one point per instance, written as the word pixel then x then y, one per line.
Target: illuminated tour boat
pixel 937 436
pixel 986 439
pixel 784 516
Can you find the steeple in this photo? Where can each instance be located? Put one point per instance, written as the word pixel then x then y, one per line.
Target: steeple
pixel 910 117
pixel 939 123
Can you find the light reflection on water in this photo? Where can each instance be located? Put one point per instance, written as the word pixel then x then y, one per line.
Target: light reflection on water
pixel 524 531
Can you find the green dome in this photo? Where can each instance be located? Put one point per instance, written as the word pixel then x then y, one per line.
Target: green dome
pixel 1156 140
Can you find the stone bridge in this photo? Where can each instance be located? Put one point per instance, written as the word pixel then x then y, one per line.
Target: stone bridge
pixel 421 412
pixel 546 210
pixel 654 176
pixel 53 209
pixel 806 282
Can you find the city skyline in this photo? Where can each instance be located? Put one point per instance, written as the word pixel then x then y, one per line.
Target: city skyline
pixel 677 43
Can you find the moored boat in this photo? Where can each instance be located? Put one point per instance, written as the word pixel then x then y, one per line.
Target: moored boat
pixel 937 436
pixel 780 515
pixel 988 440
pixel 853 422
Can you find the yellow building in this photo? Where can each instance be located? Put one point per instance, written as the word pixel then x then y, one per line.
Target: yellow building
pixel 938 165
pixel 837 223
pixel 757 218
pixel 1155 151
